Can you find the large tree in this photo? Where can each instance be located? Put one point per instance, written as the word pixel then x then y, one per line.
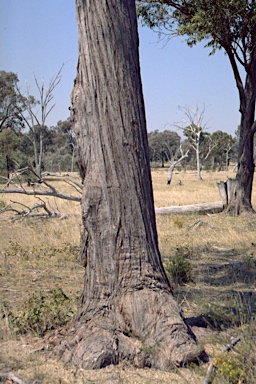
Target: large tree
pixel 225 150
pixel 11 102
pixel 127 311
pixel 163 145
pixel 228 25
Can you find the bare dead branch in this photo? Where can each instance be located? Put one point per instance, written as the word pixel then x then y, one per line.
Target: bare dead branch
pixel 10 377
pixel 74 182
pixel 36 192
pixel 202 208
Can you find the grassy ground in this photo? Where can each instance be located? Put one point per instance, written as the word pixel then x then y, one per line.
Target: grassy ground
pixel 41 280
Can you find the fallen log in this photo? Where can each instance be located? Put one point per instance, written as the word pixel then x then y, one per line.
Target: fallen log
pixel 202 209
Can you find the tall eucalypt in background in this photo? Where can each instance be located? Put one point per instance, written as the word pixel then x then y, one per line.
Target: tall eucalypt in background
pixel 127 310
pixel 229 25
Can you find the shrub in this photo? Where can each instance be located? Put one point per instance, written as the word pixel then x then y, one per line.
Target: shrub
pixel 42 312
pixel 231 369
pixel 179 221
pixel 179 267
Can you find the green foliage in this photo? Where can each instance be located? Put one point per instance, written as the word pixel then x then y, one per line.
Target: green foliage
pixel 41 312
pixel 199 20
pixel 231 368
pixel 179 266
pixel 179 221
pixel 163 145
pixel 11 102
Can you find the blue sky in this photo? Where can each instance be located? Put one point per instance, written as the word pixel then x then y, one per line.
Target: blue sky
pixel 39 36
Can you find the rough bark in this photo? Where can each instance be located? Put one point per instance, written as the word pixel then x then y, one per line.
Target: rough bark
pixel 245 170
pixel 127 311
pixel 228 192
pixel 246 166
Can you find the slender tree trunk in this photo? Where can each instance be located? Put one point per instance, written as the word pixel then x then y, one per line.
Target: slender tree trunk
pixel 127 311
pixel 227 160
pixel 173 164
pixel 241 201
pixel 36 158
pixel 171 169
pixel 162 159
pixel 198 162
pixel 73 158
pixel 40 157
pixel 246 164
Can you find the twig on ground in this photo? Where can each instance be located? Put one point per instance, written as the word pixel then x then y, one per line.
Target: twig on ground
pixel 209 378
pixel 14 379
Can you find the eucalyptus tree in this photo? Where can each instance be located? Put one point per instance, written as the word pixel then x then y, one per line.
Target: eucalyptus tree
pixel 127 311
pixel 36 113
pixel 163 145
pixel 229 25
pixel 11 102
pixel 226 148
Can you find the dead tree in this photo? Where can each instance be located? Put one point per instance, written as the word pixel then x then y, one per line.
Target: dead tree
pixel 194 128
pixel 174 161
pixel 36 124
pixel 41 189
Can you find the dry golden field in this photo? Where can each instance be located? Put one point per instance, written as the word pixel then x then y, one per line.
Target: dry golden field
pixel 39 257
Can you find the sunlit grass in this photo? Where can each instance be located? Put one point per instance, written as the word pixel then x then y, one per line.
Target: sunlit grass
pixel 191 191
pixel 40 255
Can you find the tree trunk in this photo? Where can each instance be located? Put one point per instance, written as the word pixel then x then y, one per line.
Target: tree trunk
pixel 246 166
pixel 171 169
pixel 228 192
pixel 127 311
pixel 227 160
pixel 236 193
pixel 40 157
pixel 241 201
pixel 198 161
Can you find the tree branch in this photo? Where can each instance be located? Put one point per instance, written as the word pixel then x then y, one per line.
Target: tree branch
pixel 208 378
pixel 36 192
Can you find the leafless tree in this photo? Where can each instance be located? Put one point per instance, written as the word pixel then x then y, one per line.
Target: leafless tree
pixel 194 128
pixel 18 184
pixel 36 114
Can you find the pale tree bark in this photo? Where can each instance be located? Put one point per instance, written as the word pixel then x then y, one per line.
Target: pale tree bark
pixel 194 128
pixel 173 162
pixel 127 311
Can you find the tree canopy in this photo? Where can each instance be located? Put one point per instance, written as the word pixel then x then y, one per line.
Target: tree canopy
pixel 11 101
pixel 228 25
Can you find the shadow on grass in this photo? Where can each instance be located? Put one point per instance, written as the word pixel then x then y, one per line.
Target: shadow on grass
pixel 224 291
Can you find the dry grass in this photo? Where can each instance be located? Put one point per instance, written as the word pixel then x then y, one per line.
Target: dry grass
pixel 40 255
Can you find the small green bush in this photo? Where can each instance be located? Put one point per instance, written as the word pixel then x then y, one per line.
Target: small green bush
pixel 42 312
pixel 179 221
pixel 231 369
pixel 179 266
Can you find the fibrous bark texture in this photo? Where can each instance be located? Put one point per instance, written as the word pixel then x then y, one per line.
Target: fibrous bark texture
pixel 127 311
